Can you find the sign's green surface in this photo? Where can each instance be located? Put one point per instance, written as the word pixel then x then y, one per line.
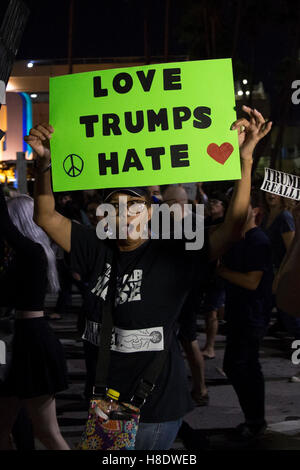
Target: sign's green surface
pixel 141 126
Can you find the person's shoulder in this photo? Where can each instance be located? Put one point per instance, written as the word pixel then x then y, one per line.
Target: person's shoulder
pixel 258 237
pixel 286 215
pixel 84 232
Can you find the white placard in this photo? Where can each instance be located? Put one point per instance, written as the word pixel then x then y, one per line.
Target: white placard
pixel 282 184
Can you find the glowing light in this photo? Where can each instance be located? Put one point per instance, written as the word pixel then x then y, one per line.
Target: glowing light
pixel 240 93
pixel 245 81
pixel 7 175
pixel 33 95
pixel 30 65
pixel 247 92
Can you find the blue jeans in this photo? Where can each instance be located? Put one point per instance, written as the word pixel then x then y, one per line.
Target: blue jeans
pixel 157 436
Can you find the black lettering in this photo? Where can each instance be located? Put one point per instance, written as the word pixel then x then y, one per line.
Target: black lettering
pixel 266 186
pixel 98 91
pixel 132 160
pixel 155 153
pixel 108 163
pixel 274 188
pixel 180 114
pixel 179 155
pixel 172 79
pixel 89 122
pixel 284 191
pixel 202 120
pixel 126 87
pixel 139 121
pixel 157 119
pixel 146 81
pixel 273 173
pixel 268 174
pixel 110 122
pixel 277 176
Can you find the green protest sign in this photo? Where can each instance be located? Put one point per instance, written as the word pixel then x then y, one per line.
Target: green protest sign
pixel 140 126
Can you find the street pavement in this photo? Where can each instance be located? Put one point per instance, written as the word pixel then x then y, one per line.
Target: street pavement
pixel 206 428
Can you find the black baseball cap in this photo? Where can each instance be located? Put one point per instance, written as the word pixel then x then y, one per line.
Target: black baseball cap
pixel 141 191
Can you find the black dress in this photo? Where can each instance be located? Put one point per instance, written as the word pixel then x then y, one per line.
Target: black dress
pixel 38 365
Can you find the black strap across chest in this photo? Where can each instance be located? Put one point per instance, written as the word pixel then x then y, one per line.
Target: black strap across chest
pixel 150 375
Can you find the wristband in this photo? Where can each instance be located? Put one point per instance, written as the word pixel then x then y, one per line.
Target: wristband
pixel 37 167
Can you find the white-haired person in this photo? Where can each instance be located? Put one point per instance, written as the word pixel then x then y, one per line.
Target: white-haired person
pixel 38 368
pixel 154 278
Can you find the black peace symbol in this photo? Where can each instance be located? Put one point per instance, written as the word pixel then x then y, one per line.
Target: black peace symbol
pixel 73 165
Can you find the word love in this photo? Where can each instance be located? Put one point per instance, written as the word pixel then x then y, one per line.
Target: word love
pixel 123 82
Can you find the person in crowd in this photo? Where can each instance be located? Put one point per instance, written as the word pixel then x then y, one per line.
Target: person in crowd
pixel 70 209
pixel 174 194
pixel 90 212
pixel 201 196
pixel 287 286
pixel 38 370
pixel 152 277
pixel 278 224
pixel 215 294
pixel 247 270
pixel 155 192
pixel 187 335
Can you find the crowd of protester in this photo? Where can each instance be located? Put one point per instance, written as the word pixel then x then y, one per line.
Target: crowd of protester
pixel 46 246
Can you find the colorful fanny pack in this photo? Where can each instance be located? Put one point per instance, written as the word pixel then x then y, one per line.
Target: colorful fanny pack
pixel 117 433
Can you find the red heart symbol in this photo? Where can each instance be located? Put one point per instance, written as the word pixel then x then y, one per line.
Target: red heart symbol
pixel 220 154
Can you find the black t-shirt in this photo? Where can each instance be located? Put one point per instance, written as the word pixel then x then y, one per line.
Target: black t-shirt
pixel 246 307
pixel 283 223
pixel 154 282
pixel 24 283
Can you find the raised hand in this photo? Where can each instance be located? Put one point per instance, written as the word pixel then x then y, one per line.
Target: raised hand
pixel 39 140
pixel 252 131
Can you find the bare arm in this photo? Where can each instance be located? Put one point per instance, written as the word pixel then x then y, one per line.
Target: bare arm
pixel 249 280
pixel 55 225
pixel 250 133
pixel 288 238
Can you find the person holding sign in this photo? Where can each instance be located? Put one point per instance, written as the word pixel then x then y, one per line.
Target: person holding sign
pixel 154 278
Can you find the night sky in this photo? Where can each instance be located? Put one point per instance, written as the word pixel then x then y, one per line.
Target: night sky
pixel 115 28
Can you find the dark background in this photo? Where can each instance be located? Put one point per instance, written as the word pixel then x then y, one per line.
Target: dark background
pixel 262 37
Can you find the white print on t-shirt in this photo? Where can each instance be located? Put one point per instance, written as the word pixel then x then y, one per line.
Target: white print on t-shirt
pixel 127 341
pixel 150 339
pixel 131 287
pixel 100 288
pixel 131 290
